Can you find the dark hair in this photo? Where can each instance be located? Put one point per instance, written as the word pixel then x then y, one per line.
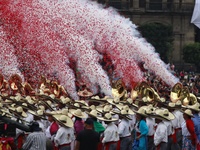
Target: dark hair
pixel 89 121
pixel 35 127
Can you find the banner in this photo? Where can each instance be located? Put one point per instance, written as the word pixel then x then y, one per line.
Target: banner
pixel 196 14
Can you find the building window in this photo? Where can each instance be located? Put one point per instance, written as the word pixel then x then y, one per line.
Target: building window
pixel 155 4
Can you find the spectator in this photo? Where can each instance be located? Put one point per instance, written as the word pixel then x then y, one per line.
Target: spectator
pixel 87 139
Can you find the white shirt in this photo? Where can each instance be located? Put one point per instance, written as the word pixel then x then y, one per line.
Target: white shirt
pixel 168 124
pixel 150 124
pixel 41 125
pixel 47 131
pixel 29 117
pixel 132 121
pixel 185 131
pixel 64 135
pixel 124 128
pixel 160 134
pixel 176 123
pixel 110 133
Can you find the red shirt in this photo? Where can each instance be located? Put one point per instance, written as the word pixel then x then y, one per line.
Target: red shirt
pixel 190 127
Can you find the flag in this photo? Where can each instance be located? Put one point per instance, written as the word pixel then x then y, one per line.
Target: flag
pixel 196 14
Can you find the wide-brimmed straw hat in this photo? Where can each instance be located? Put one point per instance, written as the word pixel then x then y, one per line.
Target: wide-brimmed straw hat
pixel 115 101
pixel 188 112
pixel 163 114
pixel 30 100
pixel 64 120
pixel 94 113
pixel 150 110
pixel 39 113
pixel 104 109
pixel 79 105
pixel 98 100
pixel 64 111
pixel 141 111
pixel 47 103
pixel 17 110
pixel 65 100
pixel 177 105
pixel 130 103
pixel 78 113
pixel 126 108
pixel 6 112
pixel 107 117
pixel 195 107
pixel 85 93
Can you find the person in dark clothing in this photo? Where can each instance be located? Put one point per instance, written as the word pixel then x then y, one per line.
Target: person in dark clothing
pixel 87 139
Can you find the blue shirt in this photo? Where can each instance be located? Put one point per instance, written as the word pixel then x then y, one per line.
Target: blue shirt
pixel 143 132
pixel 196 120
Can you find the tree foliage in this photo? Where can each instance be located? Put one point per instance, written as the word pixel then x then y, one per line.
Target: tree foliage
pixel 160 36
pixel 191 53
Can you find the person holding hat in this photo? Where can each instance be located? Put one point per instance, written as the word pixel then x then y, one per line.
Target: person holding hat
pixel 142 126
pixel 36 139
pixel 65 134
pixel 87 139
pixel 188 132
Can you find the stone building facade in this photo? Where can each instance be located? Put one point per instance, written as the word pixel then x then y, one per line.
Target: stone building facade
pixel 176 13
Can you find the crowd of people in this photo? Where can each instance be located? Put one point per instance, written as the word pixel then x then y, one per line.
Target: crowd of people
pixel 149 117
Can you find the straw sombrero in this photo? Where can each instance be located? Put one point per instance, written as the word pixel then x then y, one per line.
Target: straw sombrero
pixel 78 105
pixel 104 109
pixel 85 93
pixel 39 113
pixel 128 111
pixel 94 113
pixel 78 113
pixel 17 110
pixel 64 120
pixel 141 111
pixel 177 105
pixel 163 113
pixel 65 100
pixel 195 107
pixel 188 112
pixel 64 111
pixel 97 100
pixel 150 110
pixel 115 101
pixel 107 117
pixel 130 103
pixel 47 103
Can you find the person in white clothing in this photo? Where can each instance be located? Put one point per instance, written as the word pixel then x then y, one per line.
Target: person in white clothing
pixel 161 134
pixel 124 130
pixel 176 123
pixel 151 128
pixel 110 135
pixel 65 134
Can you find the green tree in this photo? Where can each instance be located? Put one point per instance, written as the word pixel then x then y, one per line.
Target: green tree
pixel 191 54
pixel 161 37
